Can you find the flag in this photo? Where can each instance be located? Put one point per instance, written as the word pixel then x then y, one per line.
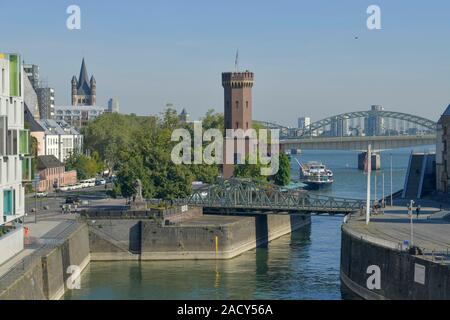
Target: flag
pixel 236 61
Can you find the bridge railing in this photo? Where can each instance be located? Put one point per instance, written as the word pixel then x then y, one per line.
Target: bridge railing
pixel 248 195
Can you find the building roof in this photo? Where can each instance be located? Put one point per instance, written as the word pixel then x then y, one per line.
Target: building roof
pixel 81 108
pixel 447 111
pixel 46 162
pixel 55 127
pixel 33 125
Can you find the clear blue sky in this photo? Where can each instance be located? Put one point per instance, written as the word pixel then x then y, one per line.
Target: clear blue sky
pixel 304 53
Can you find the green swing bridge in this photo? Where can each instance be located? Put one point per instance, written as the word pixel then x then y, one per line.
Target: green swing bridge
pixel 241 196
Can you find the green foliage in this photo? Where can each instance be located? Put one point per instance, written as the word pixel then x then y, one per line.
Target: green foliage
pixel 86 167
pixel 140 148
pixel 283 176
pixel 248 170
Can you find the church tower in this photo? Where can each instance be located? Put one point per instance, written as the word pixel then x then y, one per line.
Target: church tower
pixel 84 91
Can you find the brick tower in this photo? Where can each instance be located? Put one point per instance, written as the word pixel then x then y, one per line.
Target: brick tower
pixel 238 108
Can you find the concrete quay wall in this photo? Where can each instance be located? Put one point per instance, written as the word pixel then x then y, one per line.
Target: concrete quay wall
pixel 45 274
pixel 402 276
pixel 224 238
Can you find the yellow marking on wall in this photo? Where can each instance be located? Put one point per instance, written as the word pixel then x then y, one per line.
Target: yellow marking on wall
pixel 217 245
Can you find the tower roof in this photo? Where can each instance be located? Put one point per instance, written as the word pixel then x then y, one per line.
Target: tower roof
pixel 447 111
pixel 83 81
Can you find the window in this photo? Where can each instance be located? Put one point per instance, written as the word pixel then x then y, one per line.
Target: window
pixel 15 112
pixel 246 124
pixel 246 104
pixel 237 104
pixel 237 124
pixel 3 80
pixel 7 202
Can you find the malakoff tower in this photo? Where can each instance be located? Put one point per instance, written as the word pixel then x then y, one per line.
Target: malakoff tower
pixel 238 110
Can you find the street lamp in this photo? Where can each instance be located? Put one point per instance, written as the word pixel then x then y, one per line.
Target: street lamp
pixel 392 202
pixel 369 171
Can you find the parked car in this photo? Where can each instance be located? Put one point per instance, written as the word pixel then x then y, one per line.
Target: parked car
pixel 41 194
pixel 100 182
pixel 72 200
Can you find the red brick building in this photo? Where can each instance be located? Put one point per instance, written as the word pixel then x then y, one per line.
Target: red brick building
pixel 237 110
pixel 52 173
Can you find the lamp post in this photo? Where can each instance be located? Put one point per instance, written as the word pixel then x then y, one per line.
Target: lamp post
pixel 369 170
pixel 410 213
pixel 36 184
pixel 392 202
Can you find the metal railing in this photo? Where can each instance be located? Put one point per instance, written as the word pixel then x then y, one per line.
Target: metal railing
pixel 247 194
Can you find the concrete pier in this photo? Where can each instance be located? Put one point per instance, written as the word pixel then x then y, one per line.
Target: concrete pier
pixel 376 161
pixel 201 237
pixel 422 272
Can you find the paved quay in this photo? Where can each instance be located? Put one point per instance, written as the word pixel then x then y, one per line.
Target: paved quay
pixel 431 230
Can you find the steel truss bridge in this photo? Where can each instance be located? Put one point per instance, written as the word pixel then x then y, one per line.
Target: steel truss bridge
pixel 295 138
pixel 240 196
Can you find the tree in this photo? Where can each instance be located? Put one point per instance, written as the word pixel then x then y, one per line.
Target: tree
pixel 140 148
pixel 247 170
pixel 86 167
pixel 283 176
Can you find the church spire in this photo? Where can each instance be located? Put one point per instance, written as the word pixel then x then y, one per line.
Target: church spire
pixel 83 78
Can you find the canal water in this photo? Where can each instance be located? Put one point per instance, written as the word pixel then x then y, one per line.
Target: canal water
pixel 303 265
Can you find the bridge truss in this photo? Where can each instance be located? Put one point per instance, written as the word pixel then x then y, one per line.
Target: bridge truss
pixel 286 132
pixel 238 195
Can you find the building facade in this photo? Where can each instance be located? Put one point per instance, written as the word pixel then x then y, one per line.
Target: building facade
pixel 237 113
pixel 443 153
pixel 45 95
pixel 32 73
pixel 374 124
pixel 53 175
pixel 78 116
pixel 30 98
pixel 304 122
pixel 56 138
pixel 15 167
pixel 46 98
pixel 113 105
pixel 84 91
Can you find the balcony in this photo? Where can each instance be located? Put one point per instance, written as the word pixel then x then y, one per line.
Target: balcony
pixel 24 147
pixel 3 134
pixel 27 170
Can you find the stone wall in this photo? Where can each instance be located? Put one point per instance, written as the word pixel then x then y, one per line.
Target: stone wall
pixel 44 276
pixel 400 278
pixel 224 238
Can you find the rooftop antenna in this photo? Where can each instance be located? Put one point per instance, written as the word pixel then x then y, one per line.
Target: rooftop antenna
pixel 236 61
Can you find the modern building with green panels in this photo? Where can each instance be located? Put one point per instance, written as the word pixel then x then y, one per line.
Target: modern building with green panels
pixel 15 164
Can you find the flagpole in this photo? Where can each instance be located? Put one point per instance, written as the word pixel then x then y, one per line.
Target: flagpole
pixel 369 170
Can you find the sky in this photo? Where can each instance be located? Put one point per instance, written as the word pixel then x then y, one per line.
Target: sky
pixel 312 58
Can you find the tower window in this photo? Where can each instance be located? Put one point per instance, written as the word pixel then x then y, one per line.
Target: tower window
pixel 246 104
pixel 237 124
pixel 237 104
